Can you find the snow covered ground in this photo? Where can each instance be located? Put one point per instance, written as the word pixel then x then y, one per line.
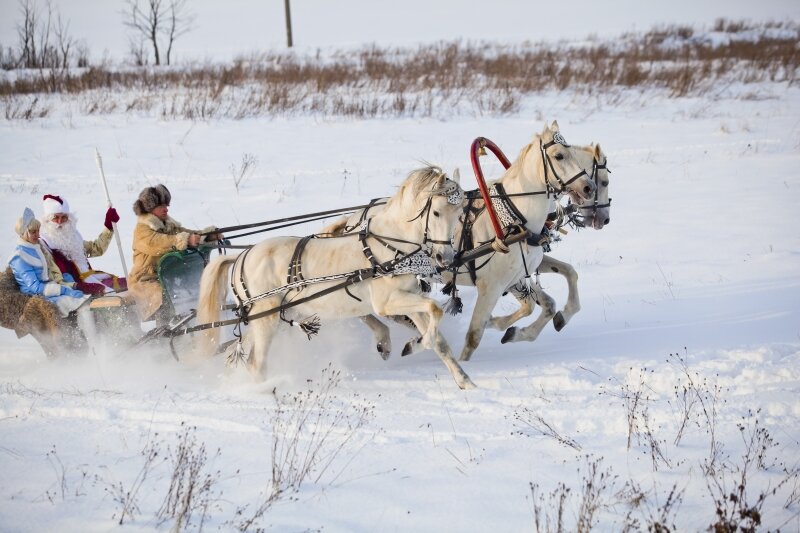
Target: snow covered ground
pixel 700 260
pixel 693 286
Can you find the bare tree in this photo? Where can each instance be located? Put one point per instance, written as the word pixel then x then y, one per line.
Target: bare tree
pixel 64 41
pixel 26 33
pixel 179 22
pixel 158 17
pixel 146 22
pixel 43 37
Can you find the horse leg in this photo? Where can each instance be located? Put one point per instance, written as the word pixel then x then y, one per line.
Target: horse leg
pixel 415 306
pixel 531 332
pixel 381 333
pixel 487 299
pixel 573 304
pixel 526 305
pixel 260 332
pixel 415 344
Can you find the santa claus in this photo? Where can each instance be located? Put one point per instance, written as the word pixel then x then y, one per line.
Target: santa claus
pixel 70 252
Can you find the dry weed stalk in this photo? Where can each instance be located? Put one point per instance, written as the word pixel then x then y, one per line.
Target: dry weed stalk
pixel 526 419
pixel 550 510
pixel 310 430
pixel 484 79
pixel 128 498
pixel 191 488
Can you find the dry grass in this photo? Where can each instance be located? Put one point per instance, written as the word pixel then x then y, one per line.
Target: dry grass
pixel 476 78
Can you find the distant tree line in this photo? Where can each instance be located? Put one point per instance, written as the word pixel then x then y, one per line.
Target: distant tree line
pixel 44 40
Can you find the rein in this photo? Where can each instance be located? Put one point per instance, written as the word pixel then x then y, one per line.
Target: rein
pixel 297 219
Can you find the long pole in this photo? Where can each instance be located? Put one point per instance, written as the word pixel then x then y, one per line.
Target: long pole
pixel 99 161
pixel 288 22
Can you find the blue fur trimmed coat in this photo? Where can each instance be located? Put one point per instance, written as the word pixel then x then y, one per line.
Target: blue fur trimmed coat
pixel 30 265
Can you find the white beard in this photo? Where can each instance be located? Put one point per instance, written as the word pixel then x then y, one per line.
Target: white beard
pixel 66 239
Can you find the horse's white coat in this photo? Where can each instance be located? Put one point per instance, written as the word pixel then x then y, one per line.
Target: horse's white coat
pixel 597 219
pixel 267 263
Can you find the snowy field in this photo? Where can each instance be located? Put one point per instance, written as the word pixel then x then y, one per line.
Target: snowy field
pixel 693 287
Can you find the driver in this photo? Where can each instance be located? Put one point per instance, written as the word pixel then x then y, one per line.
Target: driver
pixel 155 234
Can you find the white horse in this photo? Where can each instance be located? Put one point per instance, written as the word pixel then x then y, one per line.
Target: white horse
pixel 595 214
pixel 414 229
pixel 544 169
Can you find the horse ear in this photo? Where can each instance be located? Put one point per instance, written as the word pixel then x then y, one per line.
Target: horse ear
pixel 554 125
pixel 457 175
pixel 598 152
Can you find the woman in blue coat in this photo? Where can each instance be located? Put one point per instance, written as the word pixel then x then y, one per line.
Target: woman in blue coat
pixel 35 271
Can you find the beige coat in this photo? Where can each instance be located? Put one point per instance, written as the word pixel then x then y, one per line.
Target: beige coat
pixel 152 238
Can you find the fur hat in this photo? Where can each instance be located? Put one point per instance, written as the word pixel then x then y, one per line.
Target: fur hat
pixel 52 204
pixel 25 222
pixel 150 198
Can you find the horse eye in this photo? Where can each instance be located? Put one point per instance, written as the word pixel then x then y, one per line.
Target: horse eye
pixel 436 213
pixel 559 156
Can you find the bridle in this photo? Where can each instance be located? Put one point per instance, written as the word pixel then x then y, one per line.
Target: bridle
pixel 455 196
pixel 597 166
pixel 562 186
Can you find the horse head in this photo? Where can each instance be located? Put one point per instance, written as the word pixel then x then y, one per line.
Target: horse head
pixel 436 201
pixel 563 173
pixel 596 211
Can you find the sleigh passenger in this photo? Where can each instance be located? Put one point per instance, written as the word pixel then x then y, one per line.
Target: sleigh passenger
pixel 71 252
pixel 156 234
pixel 36 274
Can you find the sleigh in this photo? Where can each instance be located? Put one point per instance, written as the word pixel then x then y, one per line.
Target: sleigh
pixel 179 273
pixel 115 315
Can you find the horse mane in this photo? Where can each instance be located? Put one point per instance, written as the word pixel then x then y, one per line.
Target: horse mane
pixel 421 180
pixel 515 169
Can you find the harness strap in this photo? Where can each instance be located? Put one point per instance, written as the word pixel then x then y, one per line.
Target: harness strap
pixel 354 277
pixel 295 265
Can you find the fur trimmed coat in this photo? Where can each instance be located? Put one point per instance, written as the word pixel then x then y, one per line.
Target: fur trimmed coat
pixel 152 238
pixel 32 265
pixel 31 315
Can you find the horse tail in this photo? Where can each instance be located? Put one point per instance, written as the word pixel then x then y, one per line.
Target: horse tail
pixel 213 288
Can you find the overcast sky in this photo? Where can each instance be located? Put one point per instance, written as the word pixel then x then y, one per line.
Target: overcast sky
pixel 226 28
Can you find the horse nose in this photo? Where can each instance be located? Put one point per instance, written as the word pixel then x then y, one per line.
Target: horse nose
pixel 606 221
pixel 587 190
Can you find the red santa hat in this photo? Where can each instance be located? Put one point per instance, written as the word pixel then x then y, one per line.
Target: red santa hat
pixel 54 204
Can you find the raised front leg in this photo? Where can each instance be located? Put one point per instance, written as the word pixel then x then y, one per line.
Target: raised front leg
pixel 526 305
pixel 380 331
pixel 573 304
pixel 488 295
pixel 531 332
pixel 399 302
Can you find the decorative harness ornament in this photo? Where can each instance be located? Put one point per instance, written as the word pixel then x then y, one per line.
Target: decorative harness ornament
pixel 507 213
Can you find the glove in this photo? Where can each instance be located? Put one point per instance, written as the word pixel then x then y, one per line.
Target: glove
pixel 210 234
pixel 91 288
pixel 66 291
pixel 111 216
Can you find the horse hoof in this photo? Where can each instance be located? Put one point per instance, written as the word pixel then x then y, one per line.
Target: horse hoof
pixel 384 354
pixel 509 335
pixel 467 384
pixel 559 322
pixel 407 349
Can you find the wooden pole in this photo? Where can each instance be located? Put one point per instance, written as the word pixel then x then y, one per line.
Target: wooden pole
pixel 288 23
pixel 99 162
